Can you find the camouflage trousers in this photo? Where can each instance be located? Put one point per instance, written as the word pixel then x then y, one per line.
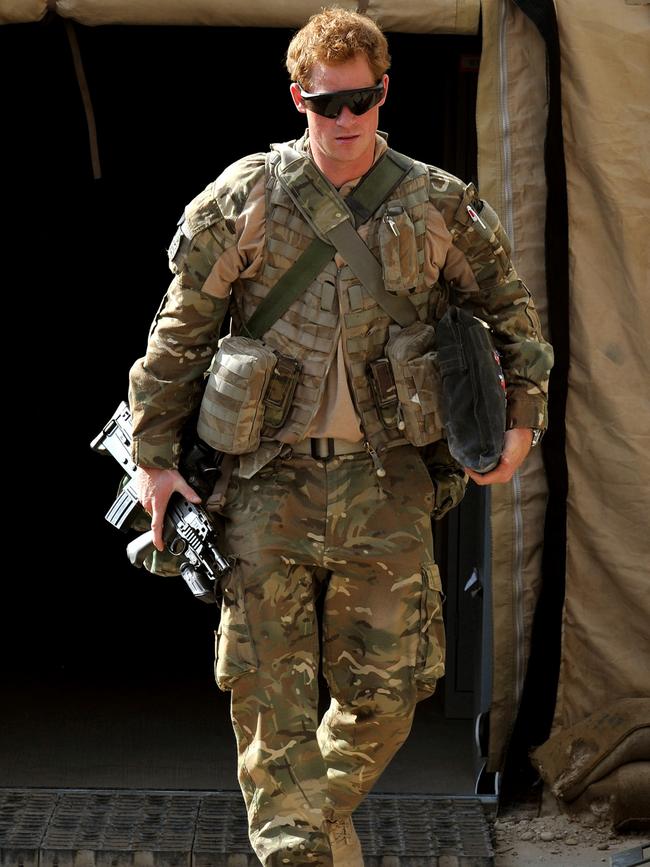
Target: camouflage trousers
pixel 297 520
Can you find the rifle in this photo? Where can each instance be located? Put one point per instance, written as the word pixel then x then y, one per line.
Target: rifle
pixel 188 530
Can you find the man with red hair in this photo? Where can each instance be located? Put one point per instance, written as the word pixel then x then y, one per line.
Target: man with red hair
pixel 329 493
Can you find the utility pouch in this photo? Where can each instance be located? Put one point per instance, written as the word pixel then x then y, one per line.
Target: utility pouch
pixel 398 250
pixel 384 391
pixel 417 380
pixel 232 410
pixel 280 391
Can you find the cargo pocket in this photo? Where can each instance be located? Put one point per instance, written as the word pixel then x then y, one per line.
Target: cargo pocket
pixel 234 650
pixel 430 665
pixel 398 250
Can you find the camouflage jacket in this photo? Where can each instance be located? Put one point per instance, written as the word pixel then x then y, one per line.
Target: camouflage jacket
pixel 459 249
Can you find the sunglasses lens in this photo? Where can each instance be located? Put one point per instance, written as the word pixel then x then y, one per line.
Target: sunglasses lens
pixel 327 105
pixel 358 101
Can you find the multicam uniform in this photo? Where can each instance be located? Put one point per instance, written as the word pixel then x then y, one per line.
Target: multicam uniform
pixel 289 518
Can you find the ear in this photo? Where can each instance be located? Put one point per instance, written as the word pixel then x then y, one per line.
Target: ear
pixel 385 80
pixel 294 90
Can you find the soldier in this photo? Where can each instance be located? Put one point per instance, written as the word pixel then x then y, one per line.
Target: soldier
pixel 330 491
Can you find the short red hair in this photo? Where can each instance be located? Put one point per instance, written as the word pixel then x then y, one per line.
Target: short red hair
pixel 334 36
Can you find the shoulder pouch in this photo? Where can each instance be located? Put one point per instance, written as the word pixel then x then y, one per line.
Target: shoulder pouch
pixel 398 250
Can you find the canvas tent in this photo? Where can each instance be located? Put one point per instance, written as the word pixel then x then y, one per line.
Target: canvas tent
pixel 451 16
pixel 562 122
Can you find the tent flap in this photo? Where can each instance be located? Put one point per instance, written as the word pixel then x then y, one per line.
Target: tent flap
pixel 511 126
pixel 418 16
pixel 22 11
pixel 605 99
pixel 448 16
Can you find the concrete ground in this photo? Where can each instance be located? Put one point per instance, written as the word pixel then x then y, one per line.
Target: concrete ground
pixel 558 841
pixel 178 736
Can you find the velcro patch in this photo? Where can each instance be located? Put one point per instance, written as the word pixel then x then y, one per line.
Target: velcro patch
pixel 173 247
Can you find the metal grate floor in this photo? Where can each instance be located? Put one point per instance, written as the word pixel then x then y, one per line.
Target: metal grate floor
pixel 129 828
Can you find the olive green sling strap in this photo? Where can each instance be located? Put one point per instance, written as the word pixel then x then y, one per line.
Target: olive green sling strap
pixel 334 220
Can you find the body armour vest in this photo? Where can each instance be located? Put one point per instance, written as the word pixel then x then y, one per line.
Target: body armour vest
pixel 336 306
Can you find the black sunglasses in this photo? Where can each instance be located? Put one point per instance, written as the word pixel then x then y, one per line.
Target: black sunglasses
pixel 359 101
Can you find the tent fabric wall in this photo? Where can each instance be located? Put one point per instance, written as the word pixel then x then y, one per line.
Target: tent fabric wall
pixel 606 112
pixel 22 11
pixel 511 124
pixel 418 16
pixel 605 650
pixel 606 98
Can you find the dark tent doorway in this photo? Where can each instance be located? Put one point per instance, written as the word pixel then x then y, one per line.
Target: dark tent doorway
pixel 108 671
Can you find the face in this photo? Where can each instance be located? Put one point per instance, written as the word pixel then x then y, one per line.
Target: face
pixel 343 147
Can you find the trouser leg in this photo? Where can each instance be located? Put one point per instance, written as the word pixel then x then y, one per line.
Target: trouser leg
pixel 274 713
pixel 383 635
pixel 268 655
pixel 373 697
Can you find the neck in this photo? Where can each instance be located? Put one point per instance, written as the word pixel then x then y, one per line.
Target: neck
pixel 338 172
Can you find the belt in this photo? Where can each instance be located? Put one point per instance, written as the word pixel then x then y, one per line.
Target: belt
pixel 326 448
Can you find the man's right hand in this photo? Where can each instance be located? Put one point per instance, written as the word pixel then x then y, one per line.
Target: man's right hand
pixel 155 487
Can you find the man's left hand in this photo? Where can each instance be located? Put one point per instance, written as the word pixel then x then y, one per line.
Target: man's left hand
pixel 517 444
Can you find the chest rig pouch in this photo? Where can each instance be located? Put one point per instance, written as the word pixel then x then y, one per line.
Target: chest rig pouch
pixel 247 386
pixel 232 409
pixel 398 249
pixel 414 364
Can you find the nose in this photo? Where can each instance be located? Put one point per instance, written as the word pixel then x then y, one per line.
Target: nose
pixel 345 116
